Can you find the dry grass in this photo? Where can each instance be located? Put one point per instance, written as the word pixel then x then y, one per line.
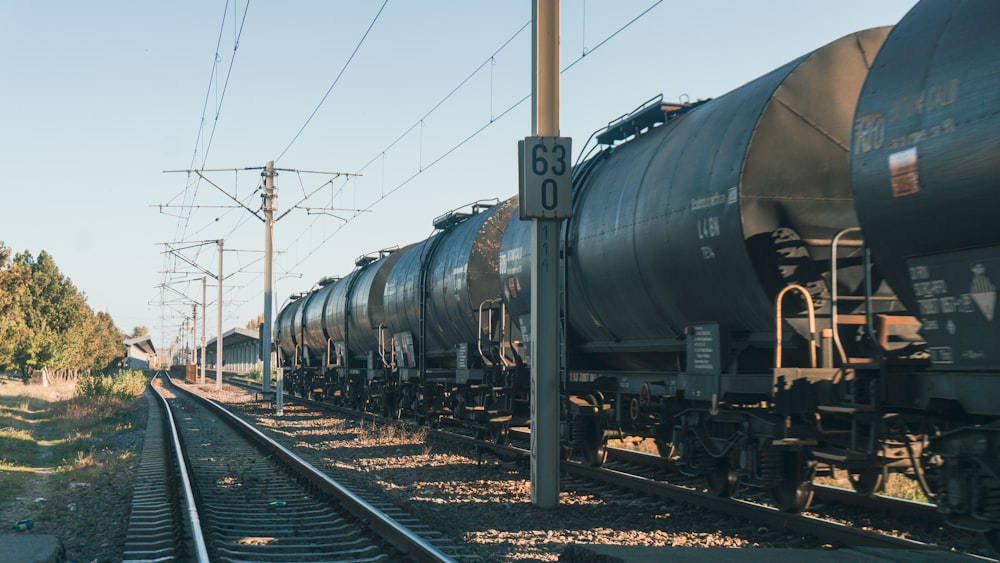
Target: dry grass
pixel 51 432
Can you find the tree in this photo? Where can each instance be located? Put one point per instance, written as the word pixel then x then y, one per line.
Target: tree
pixel 15 279
pixel 45 322
pixel 139 331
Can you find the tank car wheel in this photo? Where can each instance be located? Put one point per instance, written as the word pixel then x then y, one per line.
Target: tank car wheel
pixel 868 481
pixel 588 439
pixel 792 496
pixel 667 450
pixel 594 453
pixel 722 480
pixel 498 434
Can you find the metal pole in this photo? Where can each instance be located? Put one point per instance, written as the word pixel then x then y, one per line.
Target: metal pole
pixel 204 314
pixel 218 325
pixel 194 338
pixel 269 197
pixel 545 275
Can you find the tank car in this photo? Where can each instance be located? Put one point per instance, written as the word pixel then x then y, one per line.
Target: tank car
pixel 687 229
pixel 418 330
pixel 796 276
pixel 925 170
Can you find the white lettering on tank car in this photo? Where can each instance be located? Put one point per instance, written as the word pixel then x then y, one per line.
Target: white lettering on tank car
pixel 947 125
pixel 919 273
pixel 869 132
pixel 709 228
pixel 508 259
pixel 933 97
pixel 930 288
pixel 708 201
pixel 942 355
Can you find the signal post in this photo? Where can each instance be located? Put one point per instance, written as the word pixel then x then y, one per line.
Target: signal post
pixel 545 199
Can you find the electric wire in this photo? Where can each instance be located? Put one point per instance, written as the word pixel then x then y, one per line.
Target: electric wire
pixel 468 138
pixel 335 81
pixel 192 189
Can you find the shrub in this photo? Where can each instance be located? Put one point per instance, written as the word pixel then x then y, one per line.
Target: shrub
pixel 122 385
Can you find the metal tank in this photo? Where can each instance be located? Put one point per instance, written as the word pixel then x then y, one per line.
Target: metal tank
pixel 367 305
pixel 925 168
pixel 682 224
pixel 461 273
pixel 325 314
pixel 289 323
pixel 312 318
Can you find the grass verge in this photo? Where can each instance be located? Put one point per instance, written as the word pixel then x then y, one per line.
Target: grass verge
pixel 65 432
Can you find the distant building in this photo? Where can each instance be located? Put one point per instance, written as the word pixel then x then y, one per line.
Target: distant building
pixel 140 353
pixel 240 351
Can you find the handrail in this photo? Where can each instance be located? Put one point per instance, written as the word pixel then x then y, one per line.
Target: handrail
pixel 330 353
pixel 834 289
pixel 507 334
pixel 381 345
pixel 812 323
pixel 479 340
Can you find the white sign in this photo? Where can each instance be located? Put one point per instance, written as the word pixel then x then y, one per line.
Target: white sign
pixel 546 187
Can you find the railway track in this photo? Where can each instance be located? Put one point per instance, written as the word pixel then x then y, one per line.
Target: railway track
pixel 248 498
pixel 645 475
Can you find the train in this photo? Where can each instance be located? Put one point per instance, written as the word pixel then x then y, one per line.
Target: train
pixel 794 277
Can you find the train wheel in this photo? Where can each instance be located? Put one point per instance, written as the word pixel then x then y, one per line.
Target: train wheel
pixel 722 480
pixel 792 495
pixel 667 450
pixel 498 434
pixel 594 453
pixel 588 439
pixel 868 481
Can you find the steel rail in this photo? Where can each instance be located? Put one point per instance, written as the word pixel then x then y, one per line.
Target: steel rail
pixel 396 534
pixel 193 519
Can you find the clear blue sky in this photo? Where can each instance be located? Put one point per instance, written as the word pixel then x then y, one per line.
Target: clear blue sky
pixel 101 97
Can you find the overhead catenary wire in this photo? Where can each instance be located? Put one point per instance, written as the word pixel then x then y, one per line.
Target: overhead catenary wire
pixel 183 219
pixel 424 168
pixel 427 161
pixel 335 81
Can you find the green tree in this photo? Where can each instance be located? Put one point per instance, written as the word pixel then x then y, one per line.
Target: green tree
pixel 48 321
pixel 15 334
pixel 139 331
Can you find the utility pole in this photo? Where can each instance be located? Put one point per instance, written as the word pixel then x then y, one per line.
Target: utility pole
pixel 270 194
pixel 204 305
pixel 545 199
pixel 218 323
pixel 204 313
pixel 194 336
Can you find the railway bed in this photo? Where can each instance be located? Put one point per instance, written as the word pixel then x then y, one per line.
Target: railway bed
pixel 746 523
pixel 250 499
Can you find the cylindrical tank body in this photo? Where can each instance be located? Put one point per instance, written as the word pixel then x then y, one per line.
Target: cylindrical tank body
pixel 367 304
pixel 461 265
pixel 675 226
pixel 925 166
pixel 312 319
pixel 289 324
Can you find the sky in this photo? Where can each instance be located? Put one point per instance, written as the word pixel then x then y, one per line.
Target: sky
pixel 385 114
